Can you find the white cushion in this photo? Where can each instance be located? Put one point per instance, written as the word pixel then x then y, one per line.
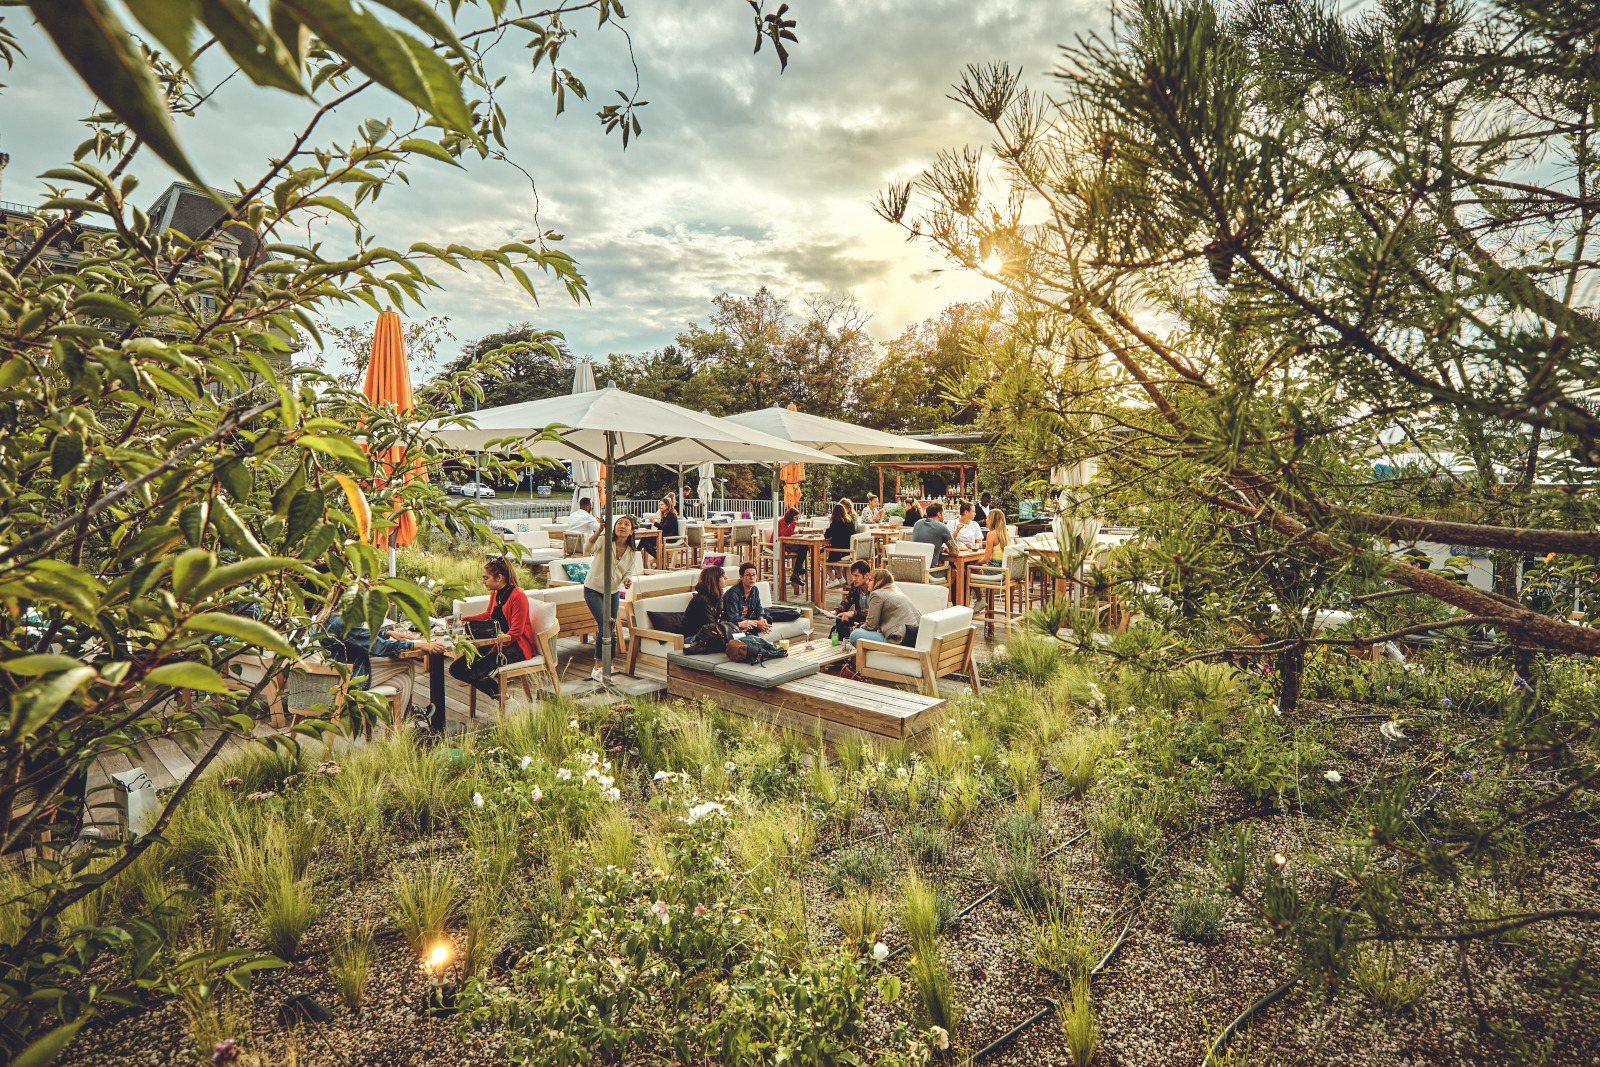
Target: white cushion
pixel 884 661
pixel 789 631
pixel 537 661
pixel 558 594
pixel 383 691
pixel 473 605
pixel 913 548
pixel 649 585
pixel 925 598
pixel 942 624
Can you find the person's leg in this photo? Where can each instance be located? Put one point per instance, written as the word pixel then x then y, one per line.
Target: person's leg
pixel 399 673
pixel 861 633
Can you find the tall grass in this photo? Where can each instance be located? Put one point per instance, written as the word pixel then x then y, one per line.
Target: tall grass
pixel 924 912
pixel 613 840
pixel 1076 1016
pixel 860 918
pixel 936 993
pixel 286 914
pixel 350 966
pixel 421 903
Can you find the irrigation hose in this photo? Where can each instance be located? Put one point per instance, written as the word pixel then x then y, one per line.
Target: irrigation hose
pixel 1237 1024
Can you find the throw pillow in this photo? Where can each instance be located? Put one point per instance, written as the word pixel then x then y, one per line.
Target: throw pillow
pixel 669 622
pixel 577 572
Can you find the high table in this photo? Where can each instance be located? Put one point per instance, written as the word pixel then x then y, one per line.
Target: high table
pixel 651 535
pixel 816 547
pixel 960 563
pixel 719 533
pixel 882 538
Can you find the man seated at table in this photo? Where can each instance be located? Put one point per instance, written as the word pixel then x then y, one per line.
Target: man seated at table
pixel 583 521
pixel 931 530
pixel 742 605
pixel 372 657
pixel 872 514
pixel 967 532
pixel 853 608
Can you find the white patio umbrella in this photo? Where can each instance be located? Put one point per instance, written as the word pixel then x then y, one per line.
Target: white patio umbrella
pixel 612 426
pixel 708 484
pixel 825 435
pixel 585 472
pixel 1075 524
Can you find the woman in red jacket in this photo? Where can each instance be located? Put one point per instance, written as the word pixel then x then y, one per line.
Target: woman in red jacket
pixel 508 608
pixel 788 526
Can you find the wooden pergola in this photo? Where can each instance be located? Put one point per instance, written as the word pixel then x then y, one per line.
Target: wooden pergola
pixel 960 466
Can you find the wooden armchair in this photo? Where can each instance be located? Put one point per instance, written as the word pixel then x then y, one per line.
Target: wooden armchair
pixel 944 646
pixel 912 561
pixel 543 663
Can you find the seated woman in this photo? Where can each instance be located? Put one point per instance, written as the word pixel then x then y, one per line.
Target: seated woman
pixel 872 514
pixel 705 607
pixel 913 512
pixel 891 616
pixel 788 526
pixel 667 517
pixel 840 531
pixel 509 610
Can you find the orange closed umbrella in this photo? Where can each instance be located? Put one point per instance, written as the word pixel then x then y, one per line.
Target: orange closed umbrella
pixel 389 382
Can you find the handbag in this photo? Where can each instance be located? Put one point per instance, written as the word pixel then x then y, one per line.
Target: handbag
pixel 482 629
pixel 780 614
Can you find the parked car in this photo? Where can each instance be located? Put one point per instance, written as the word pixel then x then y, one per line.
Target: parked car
pixel 481 492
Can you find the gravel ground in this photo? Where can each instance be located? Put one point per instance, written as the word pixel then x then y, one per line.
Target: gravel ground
pixel 1160 1000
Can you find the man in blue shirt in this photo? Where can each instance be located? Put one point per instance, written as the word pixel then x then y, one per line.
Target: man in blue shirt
pixel 742 605
pixel 357 647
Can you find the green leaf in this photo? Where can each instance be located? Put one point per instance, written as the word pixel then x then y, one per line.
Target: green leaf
pixel 429 149
pixel 171 23
pixel 243 571
pixel 189 568
pixel 421 14
pixel 235 478
pixel 34 704
pixel 340 447
pixel 284 494
pixel 397 61
pixel 250 44
pixel 66 452
pixel 377 608
pixel 42 663
pixel 233 530
pixel 44 1051
pixel 92 40
pixel 149 542
pixel 251 632
pixel 319 541
pixel 187 676
pixel 305 511
pixel 106 306
pixel 295 37
pixel 192 521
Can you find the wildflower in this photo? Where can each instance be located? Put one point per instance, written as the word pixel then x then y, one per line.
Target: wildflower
pixel 225 1052
pixel 882 768
pixel 766 890
pixel 1132 710
pixel 939 1037
pixel 902 773
pixel 527 761
pixel 1334 777
pixel 660 775
pixel 265 794
pixel 700 811
pixel 737 919
pixel 1519 683
pixel 592 772
pixel 605 782
pixel 311 820
pixel 562 774
pixel 699 910
pixel 1446 702
pixel 536 793
pixel 730 766
pixel 572 724
pixel 880 952
pixel 660 910
pixel 612 795
pixel 955 735
pixel 232 783
pixel 477 800
pixel 328 767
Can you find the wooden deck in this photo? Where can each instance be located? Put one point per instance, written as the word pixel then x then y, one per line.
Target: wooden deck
pixel 838 707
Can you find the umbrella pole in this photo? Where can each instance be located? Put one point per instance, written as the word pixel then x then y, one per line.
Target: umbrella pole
pixel 778 587
pixel 609 554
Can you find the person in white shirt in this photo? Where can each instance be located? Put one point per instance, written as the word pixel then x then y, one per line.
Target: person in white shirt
pixel 967 532
pixel 872 514
pixel 583 521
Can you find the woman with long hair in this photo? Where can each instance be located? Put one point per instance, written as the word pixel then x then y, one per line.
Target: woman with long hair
pixel 891 616
pixel 705 607
pixel 509 611
pixel 626 565
pixel 788 526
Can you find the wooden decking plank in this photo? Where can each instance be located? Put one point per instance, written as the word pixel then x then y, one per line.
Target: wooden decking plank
pixel 171 756
pixel 151 764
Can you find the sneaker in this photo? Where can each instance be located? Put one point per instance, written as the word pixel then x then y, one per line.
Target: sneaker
pixel 594 675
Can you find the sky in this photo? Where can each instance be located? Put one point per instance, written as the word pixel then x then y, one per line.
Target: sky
pixel 743 177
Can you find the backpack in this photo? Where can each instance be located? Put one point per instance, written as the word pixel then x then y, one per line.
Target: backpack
pixel 712 637
pixel 753 649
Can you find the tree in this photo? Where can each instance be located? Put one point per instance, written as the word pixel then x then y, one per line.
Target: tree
pixel 515 365
pixel 354 347
pixel 175 498
pixel 908 391
pixel 743 345
pixel 1341 249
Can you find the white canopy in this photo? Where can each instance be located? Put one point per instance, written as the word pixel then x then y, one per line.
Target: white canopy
pixel 830 435
pixel 585 473
pixel 642 431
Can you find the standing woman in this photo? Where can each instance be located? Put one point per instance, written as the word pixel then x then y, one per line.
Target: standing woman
pixel 625 566
pixel 508 609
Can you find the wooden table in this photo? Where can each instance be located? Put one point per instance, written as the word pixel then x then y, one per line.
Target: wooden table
pixel 959 564
pixel 817 547
pixel 653 550
pixel 882 538
pixel 719 532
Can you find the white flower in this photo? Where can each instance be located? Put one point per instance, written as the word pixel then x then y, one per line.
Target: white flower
pixel 477 800
pixel 660 775
pixel 881 767
pixel 660 910
pixel 737 919
pixel 605 782
pixel 766 890
pixel 730 766
pixel 700 811
pixel 1132 710
pixel 527 761
pixel 880 952
pixel 956 735
pixel 536 793
pixel 592 772
pixel 572 724
pixel 1333 776
pixel 939 1037
pixel 612 795
pixel 902 773
pixel 562 774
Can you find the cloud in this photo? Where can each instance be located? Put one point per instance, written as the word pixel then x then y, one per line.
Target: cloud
pixel 742 178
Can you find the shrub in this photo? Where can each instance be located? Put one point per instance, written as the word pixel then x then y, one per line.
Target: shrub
pixel 1034 659
pixel 1127 842
pixel 350 965
pixel 1196 917
pixel 1383 977
pixel 860 919
pixel 1020 878
pixel 1068 944
pixel 421 903
pixel 1019 830
pixel 866 866
pixel 924 843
